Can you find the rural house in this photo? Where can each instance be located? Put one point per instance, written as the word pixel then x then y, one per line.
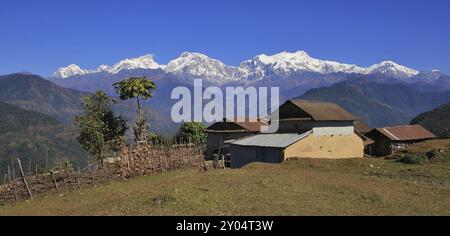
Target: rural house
pixel 303 115
pixel 297 116
pixel 220 132
pixel 390 139
pixel 308 129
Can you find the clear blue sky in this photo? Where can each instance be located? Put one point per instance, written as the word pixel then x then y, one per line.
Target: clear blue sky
pixel 40 36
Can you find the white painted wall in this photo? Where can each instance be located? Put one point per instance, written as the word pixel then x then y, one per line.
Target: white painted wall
pixel 333 128
pixel 327 131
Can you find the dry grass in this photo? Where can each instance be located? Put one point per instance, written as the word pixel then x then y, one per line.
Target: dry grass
pixel 431 144
pixel 303 187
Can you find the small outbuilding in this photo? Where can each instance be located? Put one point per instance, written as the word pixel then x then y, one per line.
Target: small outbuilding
pixel 276 148
pixel 390 139
pixel 219 133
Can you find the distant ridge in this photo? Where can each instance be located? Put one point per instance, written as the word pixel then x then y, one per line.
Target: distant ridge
pixel 379 104
pixel 436 120
pixel 32 92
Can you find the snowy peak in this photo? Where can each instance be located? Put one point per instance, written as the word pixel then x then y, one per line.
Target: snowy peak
pixel 193 62
pixel 199 65
pixel 68 71
pixel 189 60
pixel 392 69
pixel 286 63
pixel 102 68
pixel 283 57
pixel 143 62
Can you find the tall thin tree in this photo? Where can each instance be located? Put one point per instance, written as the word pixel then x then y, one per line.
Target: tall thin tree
pixel 136 87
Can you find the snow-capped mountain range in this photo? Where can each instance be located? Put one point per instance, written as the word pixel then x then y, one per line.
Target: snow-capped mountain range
pixel 71 70
pixel 144 62
pixel 282 64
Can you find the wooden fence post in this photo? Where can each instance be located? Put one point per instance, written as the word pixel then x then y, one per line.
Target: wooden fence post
pixel 29 168
pixel 54 181
pixel 93 180
pixel 90 174
pixel 9 175
pixel 78 181
pixel 65 184
pixel 15 193
pixel 70 179
pixel 24 180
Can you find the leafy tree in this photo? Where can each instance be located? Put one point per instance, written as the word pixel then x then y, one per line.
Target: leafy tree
pixel 136 87
pixel 192 132
pixel 98 127
pixel 156 138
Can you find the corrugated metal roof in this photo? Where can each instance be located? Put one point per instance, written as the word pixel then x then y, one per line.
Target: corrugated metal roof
pixel 271 140
pixel 366 140
pixel 406 132
pixel 323 111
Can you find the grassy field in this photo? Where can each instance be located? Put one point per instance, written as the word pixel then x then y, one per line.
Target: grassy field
pixel 303 187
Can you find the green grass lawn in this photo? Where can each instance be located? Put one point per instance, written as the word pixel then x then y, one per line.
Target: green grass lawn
pixel 301 187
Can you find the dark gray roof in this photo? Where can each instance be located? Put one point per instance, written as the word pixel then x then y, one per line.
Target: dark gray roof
pixel 271 140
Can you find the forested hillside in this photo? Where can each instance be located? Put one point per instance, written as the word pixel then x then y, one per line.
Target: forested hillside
pixel 436 120
pixel 30 135
pixel 380 104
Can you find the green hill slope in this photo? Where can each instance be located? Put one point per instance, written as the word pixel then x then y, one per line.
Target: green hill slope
pixel 30 135
pixel 32 92
pixel 379 104
pixel 437 120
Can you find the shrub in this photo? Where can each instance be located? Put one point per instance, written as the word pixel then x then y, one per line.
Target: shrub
pixel 413 159
pixel 431 154
pixel 192 132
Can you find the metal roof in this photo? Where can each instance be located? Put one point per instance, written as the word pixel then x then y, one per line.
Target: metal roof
pixel 271 140
pixel 323 111
pixel 366 140
pixel 406 132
